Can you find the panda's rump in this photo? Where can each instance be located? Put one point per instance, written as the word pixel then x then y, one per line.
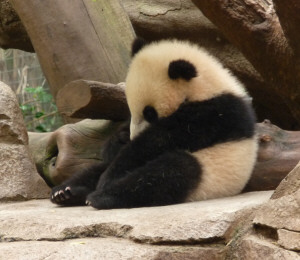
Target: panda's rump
pixel 226 168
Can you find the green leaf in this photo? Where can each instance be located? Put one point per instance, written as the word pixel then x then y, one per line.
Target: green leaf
pixel 38 114
pixel 41 128
pixel 30 90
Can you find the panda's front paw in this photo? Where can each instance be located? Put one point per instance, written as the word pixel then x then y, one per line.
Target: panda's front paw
pixel 99 200
pixel 67 195
pixel 60 194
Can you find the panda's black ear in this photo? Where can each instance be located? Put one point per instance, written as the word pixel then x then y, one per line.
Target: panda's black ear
pixel 182 69
pixel 137 45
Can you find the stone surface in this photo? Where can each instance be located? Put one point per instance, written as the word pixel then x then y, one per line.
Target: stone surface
pixel 104 249
pixel 289 239
pixel 255 248
pixel 18 176
pixel 289 185
pixel 188 223
pixel 282 213
pixel 38 229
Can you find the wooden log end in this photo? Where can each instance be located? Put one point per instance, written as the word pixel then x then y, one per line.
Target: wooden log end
pixel 92 99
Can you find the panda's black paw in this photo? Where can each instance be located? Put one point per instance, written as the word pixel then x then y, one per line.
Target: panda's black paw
pixel 67 195
pixel 99 200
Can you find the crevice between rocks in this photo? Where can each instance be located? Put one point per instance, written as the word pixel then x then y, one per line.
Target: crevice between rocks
pixel 111 229
pixel 217 241
pixel 266 231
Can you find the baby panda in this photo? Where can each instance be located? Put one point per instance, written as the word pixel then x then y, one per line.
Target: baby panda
pixel 192 134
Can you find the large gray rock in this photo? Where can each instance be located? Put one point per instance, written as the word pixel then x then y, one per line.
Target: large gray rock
pixel 187 223
pixel 277 222
pixel 104 249
pixel 282 213
pixel 18 176
pixel 185 231
pixel 289 239
pixel 256 248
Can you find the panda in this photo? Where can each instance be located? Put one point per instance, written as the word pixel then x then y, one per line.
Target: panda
pixel 192 134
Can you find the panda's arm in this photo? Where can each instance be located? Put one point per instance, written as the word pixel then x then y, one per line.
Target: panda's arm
pixel 220 119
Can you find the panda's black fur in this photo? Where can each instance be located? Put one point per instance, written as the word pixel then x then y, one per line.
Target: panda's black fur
pixel 158 166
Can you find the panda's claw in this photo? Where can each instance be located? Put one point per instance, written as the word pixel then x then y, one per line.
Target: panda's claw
pixel 61 195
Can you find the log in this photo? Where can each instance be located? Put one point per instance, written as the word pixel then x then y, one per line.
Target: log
pixel 91 99
pixel 82 39
pixel 76 146
pixel 278 154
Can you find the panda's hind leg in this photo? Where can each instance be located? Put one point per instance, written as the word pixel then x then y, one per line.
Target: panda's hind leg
pixel 74 191
pixel 165 180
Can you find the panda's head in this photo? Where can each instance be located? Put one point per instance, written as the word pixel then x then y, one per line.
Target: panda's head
pixel 164 74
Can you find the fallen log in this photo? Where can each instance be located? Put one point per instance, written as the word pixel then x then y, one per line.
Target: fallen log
pixel 278 154
pixel 59 154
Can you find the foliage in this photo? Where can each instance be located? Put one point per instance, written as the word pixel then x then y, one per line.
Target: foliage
pixel 39 111
pixel 22 72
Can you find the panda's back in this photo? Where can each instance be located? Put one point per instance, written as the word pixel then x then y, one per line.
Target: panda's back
pixel 225 169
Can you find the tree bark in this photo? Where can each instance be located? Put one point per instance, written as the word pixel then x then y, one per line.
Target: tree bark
pixel 278 154
pixel 12 31
pixel 78 43
pixel 253 26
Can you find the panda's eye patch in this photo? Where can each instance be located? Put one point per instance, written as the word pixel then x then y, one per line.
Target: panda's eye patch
pixel 150 114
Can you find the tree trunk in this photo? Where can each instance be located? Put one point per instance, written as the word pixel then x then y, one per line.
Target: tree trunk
pixel 78 43
pixel 12 31
pixel 167 18
pixel 265 40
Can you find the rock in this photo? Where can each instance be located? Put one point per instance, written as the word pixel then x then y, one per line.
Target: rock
pixel 104 249
pixel 185 231
pixel 282 213
pixel 188 223
pixel 255 248
pixel 289 185
pixel 289 239
pixel 19 178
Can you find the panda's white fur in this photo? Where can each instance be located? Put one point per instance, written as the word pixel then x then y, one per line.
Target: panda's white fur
pixel 147 80
pixel 227 166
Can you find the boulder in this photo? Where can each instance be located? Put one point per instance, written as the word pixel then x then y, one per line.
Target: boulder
pixel 19 178
pixel 253 247
pixel 195 230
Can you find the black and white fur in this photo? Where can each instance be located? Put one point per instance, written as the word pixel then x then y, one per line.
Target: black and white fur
pixel 192 134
